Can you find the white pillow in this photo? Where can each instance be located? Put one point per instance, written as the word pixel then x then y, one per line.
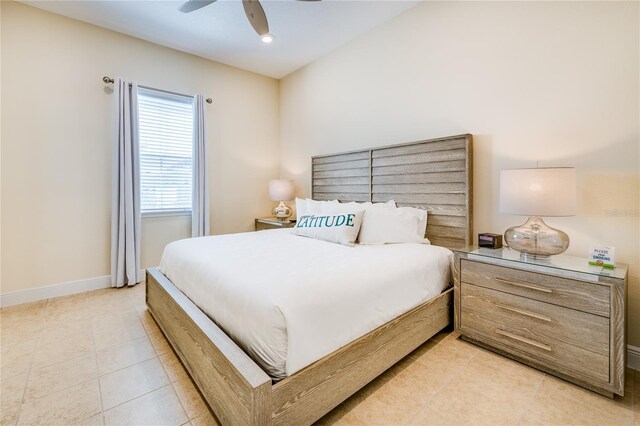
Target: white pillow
pixel 399 225
pixel 331 223
pixel 305 205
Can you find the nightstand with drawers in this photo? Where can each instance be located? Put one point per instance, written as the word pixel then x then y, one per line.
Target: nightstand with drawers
pixel 559 314
pixel 273 223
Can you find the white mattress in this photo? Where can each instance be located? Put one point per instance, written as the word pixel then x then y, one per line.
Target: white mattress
pixel 288 301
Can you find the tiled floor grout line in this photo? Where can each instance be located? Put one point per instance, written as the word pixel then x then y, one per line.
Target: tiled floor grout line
pixel 33 355
pixel 127 366
pixel 55 363
pixel 157 356
pixel 62 390
pixel 137 397
pixel 95 351
pixel 184 408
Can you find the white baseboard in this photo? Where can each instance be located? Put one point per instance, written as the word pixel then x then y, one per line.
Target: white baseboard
pixel 55 290
pixel 633 357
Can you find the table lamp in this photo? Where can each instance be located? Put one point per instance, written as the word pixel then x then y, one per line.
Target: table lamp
pixel 536 193
pixel 281 190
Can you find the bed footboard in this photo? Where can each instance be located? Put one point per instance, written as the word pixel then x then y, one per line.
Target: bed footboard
pixel 235 387
pixel 240 393
pixel 304 397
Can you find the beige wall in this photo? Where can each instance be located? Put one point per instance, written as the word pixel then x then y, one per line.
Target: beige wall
pixel 550 82
pixel 56 126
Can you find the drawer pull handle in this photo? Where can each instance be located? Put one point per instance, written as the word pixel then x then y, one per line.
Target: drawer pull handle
pixel 523 312
pixel 529 286
pixel 524 340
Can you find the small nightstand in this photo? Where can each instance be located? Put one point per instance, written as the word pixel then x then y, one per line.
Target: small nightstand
pixel 273 223
pixel 559 315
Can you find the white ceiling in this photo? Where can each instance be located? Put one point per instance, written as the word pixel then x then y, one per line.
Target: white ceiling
pixel 304 30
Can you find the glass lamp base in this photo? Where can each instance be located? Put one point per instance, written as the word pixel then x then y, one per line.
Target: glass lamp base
pixel 536 239
pixel 282 211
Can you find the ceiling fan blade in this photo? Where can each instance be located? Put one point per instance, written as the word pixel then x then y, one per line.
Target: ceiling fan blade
pixel 192 5
pixel 255 13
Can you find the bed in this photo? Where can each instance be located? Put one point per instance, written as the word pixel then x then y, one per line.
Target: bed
pixel 321 295
pixel 315 362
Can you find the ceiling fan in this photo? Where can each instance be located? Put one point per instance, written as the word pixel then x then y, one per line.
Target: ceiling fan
pixel 252 8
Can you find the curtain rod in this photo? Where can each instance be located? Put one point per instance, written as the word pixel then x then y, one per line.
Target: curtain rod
pixel 108 80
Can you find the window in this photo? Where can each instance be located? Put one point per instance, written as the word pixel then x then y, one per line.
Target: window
pixel 166 152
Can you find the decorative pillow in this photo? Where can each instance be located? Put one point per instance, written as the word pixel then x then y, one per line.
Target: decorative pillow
pixel 331 224
pixel 399 225
pixel 305 205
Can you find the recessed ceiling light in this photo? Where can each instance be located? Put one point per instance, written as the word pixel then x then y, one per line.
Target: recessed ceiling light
pixel 267 38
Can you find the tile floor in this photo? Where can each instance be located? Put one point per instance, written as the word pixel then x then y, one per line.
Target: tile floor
pixel 99 358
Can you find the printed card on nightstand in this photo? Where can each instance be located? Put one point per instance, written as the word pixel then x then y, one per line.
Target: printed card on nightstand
pixel 602 256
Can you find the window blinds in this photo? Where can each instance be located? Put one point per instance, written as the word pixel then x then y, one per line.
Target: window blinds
pixel 166 151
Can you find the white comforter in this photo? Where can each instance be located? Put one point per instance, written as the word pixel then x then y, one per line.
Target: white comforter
pixel 289 300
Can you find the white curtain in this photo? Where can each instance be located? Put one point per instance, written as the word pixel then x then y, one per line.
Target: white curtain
pixel 125 204
pixel 200 204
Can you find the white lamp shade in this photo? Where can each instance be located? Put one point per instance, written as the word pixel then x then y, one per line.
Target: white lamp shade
pixel 281 189
pixel 538 192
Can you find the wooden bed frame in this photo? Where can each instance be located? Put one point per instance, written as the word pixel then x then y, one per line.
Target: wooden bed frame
pixel 435 174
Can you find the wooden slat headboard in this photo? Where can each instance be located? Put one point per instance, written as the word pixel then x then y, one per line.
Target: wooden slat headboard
pixel 434 174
